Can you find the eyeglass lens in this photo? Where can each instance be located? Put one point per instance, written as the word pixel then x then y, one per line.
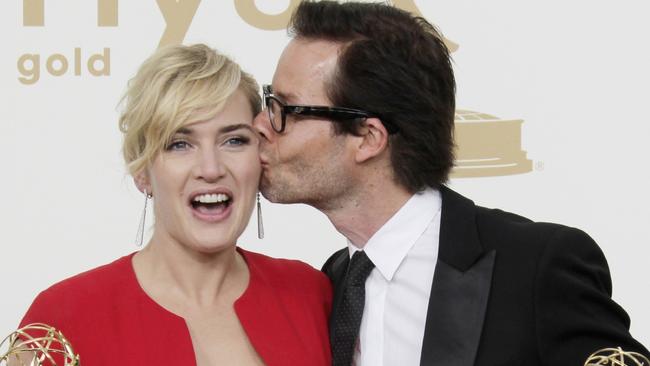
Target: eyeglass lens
pixel 275 113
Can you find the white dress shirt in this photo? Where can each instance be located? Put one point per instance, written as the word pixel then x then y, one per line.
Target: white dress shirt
pixel 404 251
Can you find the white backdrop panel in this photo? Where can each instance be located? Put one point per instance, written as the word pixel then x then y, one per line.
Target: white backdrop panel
pixel 575 72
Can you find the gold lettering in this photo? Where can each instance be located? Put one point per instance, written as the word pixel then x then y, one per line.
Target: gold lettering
pixel 107 13
pixel 105 59
pixel 248 11
pixel 77 61
pixel 33 13
pixel 62 60
pixel 31 75
pixel 178 16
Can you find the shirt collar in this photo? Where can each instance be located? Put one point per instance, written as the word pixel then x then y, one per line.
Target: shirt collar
pixel 388 247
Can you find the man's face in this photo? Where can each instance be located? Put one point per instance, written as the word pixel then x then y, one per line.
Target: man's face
pixel 307 162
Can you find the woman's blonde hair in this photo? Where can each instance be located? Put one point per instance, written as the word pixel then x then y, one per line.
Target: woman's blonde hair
pixel 177 85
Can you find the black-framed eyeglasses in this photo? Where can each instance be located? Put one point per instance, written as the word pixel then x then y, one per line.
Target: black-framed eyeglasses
pixel 278 112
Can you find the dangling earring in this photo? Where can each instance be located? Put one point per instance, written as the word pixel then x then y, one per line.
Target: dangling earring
pixel 260 224
pixel 139 236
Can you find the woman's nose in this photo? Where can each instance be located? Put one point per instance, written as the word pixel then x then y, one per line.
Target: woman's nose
pixel 209 167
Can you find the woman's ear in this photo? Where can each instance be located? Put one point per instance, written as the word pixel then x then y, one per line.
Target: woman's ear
pixel 374 140
pixel 142 182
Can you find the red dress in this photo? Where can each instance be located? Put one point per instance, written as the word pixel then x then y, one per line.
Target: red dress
pixel 110 320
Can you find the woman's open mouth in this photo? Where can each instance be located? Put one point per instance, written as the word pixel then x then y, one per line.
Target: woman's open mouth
pixel 211 206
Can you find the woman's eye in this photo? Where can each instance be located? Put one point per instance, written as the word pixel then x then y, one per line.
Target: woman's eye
pixel 238 141
pixel 178 145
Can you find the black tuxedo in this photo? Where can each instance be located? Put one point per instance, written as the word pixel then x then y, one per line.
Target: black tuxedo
pixel 508 291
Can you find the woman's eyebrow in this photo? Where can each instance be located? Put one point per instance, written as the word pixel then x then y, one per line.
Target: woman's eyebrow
pixel 225 129
pixel 184 131
pixel 234 127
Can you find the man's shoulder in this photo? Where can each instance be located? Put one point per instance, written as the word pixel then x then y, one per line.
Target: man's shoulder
pixel 462 206
pixel 509 232
pixel 495 223
pixel 537 247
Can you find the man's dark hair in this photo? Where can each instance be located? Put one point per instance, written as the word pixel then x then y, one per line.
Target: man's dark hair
pixel 396 65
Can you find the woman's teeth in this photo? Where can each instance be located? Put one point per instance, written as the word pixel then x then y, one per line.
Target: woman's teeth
pixel 212 198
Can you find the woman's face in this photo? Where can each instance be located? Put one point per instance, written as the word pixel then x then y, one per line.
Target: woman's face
pixel 204 182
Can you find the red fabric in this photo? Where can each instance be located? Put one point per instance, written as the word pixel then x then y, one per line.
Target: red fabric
pixel 110 320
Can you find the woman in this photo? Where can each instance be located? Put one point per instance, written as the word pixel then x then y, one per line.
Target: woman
pixel 191 296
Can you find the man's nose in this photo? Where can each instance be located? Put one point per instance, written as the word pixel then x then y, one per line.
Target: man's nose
pixel 262 125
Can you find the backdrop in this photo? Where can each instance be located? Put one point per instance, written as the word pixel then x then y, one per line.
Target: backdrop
pixel 551 125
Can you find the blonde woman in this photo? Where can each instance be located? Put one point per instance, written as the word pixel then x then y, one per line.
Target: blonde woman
pixel 191 296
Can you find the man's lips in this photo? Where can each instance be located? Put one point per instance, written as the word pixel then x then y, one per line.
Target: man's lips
pixel 265 165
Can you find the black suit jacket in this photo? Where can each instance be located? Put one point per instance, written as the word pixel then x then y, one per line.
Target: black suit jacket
pixel 508 291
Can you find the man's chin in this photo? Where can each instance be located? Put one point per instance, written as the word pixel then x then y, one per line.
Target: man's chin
pixel 277 194
pixel 268 191
pixel 269 196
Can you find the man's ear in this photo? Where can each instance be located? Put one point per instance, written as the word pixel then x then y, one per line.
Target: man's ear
pixel 142 182
pixel 373 140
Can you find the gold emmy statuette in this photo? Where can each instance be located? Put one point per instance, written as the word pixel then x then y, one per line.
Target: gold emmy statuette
pixel 616 357
pixel 37 345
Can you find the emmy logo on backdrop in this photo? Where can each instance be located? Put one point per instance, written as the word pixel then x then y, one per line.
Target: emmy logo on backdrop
pixel 37 345
pixel 616 357
pixel 488 146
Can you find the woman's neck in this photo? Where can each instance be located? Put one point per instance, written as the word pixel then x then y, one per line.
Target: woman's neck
pixel 183 279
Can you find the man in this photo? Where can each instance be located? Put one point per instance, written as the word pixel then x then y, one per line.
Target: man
pixel 359 124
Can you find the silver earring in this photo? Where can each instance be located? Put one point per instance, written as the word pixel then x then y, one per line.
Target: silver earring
pixel 139 236
pixel 260 224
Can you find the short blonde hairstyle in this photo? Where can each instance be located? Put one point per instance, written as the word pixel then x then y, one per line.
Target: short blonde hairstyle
pixel 177 85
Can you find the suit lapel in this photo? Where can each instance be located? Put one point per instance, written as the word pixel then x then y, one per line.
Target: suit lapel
pixel 460 289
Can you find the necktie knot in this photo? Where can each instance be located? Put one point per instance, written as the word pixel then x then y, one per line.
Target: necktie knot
pixel 359 269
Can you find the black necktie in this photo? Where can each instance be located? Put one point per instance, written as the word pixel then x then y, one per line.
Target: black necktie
pixel 347 319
